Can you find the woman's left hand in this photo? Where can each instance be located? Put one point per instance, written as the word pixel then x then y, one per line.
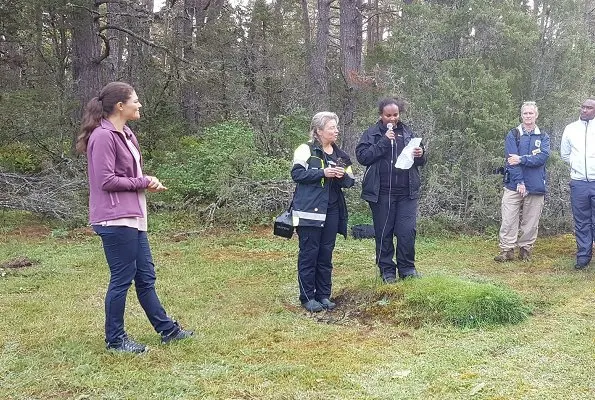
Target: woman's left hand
pixel 418 152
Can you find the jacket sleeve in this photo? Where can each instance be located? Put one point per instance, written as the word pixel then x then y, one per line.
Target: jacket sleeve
pixel 510 147
pixel 367 152
pixel 539 159
pixel 348 179
pixel 565 146
pixel 300 173
pixel 103 158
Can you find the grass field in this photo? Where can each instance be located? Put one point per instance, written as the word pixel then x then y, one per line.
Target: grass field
pixel 238 290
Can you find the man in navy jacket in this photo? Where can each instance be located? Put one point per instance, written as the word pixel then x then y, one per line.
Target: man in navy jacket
pixel 526 151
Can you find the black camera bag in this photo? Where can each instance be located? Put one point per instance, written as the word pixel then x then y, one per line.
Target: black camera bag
pixel 283 225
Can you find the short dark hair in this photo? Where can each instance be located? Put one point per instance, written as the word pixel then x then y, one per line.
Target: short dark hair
pixel 387 101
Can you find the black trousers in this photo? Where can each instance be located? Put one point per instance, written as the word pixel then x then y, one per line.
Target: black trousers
pixel 315 259
pixel 395 216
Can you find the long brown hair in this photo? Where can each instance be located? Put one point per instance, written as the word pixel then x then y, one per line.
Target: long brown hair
pixel 101 107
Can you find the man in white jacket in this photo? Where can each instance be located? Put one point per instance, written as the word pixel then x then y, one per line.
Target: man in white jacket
pixel 578 150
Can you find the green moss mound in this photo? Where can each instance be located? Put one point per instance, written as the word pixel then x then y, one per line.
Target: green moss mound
pixel 450 300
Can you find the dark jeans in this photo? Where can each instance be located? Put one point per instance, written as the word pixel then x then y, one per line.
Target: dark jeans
pixel 396 217
pixel 582 198
pixel 315 259
pixel 129 258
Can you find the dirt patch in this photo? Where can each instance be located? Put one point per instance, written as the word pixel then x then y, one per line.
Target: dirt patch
pixel 81 232
pixel 19 262
pixel 30 231
pixel 368 308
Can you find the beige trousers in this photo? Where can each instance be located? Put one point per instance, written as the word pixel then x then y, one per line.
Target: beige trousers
pixel 517 208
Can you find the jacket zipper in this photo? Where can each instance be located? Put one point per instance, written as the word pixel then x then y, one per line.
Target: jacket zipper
pixel 586 170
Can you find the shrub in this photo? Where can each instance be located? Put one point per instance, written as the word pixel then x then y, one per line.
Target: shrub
pixel 264 168
pixel 200 167
pixel 19 157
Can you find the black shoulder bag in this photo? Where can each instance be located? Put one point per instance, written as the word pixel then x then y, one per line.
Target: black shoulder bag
pixel 283 225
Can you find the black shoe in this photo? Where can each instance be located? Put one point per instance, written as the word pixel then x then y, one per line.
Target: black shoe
pixel 313 306
pixel 326 303
pixel 580 267
pixel 127 345
pixel 178 334
pixel 389 280
pixel 414 275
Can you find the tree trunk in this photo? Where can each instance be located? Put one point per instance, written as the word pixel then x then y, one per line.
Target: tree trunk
pixel 373 27
pixel 138 52
pixel 307 34
pixel 318 77
pixel 189 100
pixel 86 51
pixel 117 41
pixel 351 57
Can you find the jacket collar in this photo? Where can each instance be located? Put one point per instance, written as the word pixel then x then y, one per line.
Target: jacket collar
pixel 316 146
pixel 106 124
pixel 381 129
pixel 536 131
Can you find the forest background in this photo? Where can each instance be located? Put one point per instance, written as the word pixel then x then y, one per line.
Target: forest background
pixel 229 88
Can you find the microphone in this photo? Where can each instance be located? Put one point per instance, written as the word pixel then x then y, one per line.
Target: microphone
pixel 389 127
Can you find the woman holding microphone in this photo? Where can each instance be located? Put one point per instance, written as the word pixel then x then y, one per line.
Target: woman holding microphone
pixel 392 193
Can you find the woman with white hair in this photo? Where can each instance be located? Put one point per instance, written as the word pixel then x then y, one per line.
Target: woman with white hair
pixel 320 169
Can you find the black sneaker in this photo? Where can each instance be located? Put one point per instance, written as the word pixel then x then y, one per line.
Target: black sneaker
pixel 580 267
pixel 127 345
pixel 326 303
pixel 415 275
pixel 313 306
pixel 178 333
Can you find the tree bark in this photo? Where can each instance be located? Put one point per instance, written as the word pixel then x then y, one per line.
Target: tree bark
pixel 373 27
pixel 351 56
pixel 316 54
pixel 86 51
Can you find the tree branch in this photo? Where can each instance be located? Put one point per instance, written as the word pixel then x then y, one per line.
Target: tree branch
pixel 106 50
pixel 135 36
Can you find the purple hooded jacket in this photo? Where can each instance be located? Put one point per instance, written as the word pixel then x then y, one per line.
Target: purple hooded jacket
pixel 114 180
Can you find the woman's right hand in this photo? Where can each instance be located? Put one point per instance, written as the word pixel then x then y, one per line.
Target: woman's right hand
pixel 390 134
pixel 155 185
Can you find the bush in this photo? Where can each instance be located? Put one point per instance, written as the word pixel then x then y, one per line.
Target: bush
pixel 199 167
pixel 19 157
pixel 264 168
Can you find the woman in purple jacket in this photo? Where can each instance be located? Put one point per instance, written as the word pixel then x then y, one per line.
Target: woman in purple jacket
pixel 118 212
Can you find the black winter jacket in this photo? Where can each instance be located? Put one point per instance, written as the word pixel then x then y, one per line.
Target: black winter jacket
pixel 370 151
pixel 310 201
